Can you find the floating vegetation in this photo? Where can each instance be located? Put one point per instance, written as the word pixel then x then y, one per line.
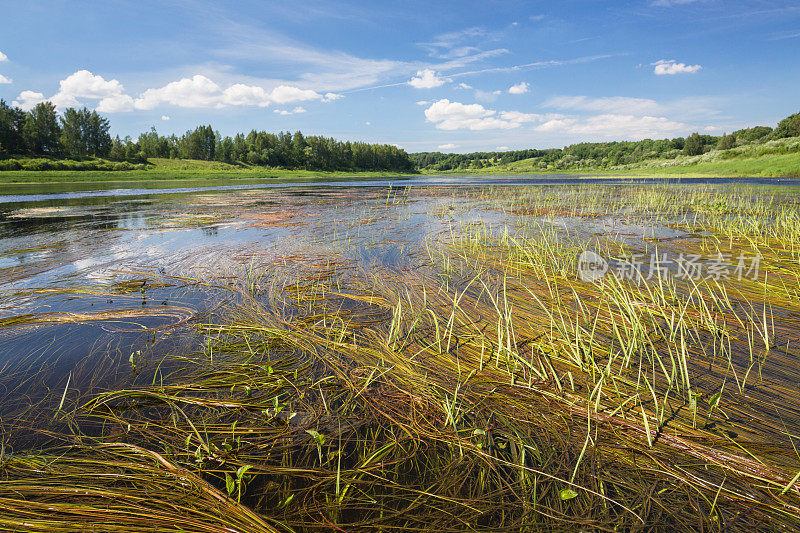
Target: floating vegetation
pixel 480 384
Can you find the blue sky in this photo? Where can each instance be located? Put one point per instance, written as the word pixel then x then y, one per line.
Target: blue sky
pixel 425 75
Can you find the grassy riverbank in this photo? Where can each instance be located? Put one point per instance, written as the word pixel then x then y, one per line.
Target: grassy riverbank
pixel 177 170
pixel 763 161
pixel 777 158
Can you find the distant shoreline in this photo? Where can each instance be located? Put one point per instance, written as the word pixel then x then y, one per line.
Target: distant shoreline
pixel 766 166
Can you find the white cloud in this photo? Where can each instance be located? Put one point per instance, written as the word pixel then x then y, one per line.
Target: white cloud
pixel 164 117
pixel 501 148
pixel 27 100
pixel 447 115
pixel 197 91
pixel 116 104
pixel 463 85
pixel 519 88
pixel 3 79
pixel 284 94
pixel 328 69
pixel 368 123
pixel 487 96
pixel 426 79
pixel 448 146
pixel 610 104
pixel 422 102
pixel 236 94
pixel 3 57
pixel 294 111
pixel 84 84
pixel 670 67
pixel 200 92
pixel 615 126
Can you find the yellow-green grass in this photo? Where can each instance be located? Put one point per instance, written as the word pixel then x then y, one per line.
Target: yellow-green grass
pixel 488 389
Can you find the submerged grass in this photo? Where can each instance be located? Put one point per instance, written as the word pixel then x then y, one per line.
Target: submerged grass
pixel 486 389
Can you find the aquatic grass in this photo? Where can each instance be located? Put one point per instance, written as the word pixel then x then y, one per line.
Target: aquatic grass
pixel 487 388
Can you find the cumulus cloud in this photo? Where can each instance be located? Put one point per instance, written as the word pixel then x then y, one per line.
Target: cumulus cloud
pixel 283 94
pixel 199 91
pixel 501 148
pixel 116 104
pixel 447 115
pixel 463 85
pixel 615 126
pixel 448 146
pixel 426 79
pixel 195 92
pixel 519 88
pixel 84 84
pixel 294 111
pixel 3 57
pixel 164 117
pixel 3 79
pixel 28 99
pixel 670 67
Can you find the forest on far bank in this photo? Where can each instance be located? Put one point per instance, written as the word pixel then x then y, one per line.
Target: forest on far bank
pixel 41 139
pixel 79 139
pixel 602 155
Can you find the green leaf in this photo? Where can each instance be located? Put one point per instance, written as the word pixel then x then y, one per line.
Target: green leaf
pixel 714 400
pixel 318 437
pixel 242 471
pixel 230 484
pixel 286 502
pixel 567 494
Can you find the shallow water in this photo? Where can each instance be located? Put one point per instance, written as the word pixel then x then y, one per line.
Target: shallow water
pixel 127 263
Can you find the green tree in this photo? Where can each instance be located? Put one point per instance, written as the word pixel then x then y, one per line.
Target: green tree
pixel 12 122
pixel 693 144
pixel 788 127
pixel 98 140
pixel 727 142
pixel 41 130
pixel 73 124
pixel 84 133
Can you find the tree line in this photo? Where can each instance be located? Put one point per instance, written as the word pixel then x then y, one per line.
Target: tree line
pixel 609 154
pixel 41 132
pixel 80 133
pixel 283 150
